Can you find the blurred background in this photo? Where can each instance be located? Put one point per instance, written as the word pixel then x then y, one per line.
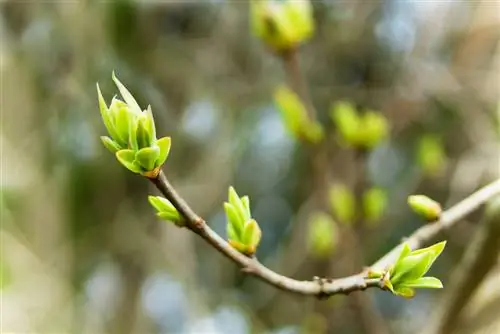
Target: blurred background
pixel 82 250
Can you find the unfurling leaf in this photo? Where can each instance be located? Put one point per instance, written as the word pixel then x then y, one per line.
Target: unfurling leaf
pixel 127 159
pixel 146 157
pixel 164 145
pixel 407 273
pixel 243 232
pixel 110 144
pixel 165 210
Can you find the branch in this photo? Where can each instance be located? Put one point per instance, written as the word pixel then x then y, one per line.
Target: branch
pixel 447 220
pixel 320 287
pixel 480 257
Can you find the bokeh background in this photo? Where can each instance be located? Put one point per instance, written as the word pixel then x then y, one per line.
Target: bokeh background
pixel 82 250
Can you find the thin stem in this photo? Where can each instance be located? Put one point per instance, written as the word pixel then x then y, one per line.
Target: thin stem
pixel 480 257
pixel 296 80
pixel 320 287
pixel 447 220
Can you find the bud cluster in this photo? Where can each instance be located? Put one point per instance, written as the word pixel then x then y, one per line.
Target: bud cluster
pixel 132 133
pixel 243 232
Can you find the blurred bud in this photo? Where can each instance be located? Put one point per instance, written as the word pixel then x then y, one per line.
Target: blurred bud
pixel 165 210
pixel 313 132
pixel 430 155
pixel 342 203
pixel 322 235
pixel 294 115
pixel 282 24
pixel 425 207
pixel 408 271
pixel 345 118
pixel 374 128
pixel 374 204
pixel 243 232
pixel 132 134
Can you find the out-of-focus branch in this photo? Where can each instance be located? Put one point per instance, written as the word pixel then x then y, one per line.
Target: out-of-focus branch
pixel 296 80
pixel 480 258
pixel 447 220
pixel 320 287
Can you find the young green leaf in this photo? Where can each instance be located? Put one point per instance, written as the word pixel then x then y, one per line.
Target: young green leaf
pixel 161 204
pixel 251 234
pixel 424 282
pixel 143 135
pixel 129 99
pixel 106 115
pixel 234 220
pixel 236 202
pixel 110 144
pixel 164 145
pixel 146 157
pixel 411 267
pixel 150 123
pixel 127 159
pixel 122 123
pixel 246 203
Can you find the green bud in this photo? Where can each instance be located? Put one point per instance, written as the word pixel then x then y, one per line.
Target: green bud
pixel 374 204
pixel 347 122
pixel 323 235
pixel 127 159
pixel 293 111
pixel 165 210
pixel 374 128
pixel 282 24
pixel 425 207
pixel 243 232
pixel 312 132
pixel 430 154
pixel 342 203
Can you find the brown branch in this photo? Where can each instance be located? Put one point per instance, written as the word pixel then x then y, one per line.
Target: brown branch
pixel 296 80
pixel 480 257
pixel 447 220
pixel 320 287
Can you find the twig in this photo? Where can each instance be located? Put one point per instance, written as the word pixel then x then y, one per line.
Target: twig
pixel 296 80
pixel 322 287
pixel 447 220
pixel 480 257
